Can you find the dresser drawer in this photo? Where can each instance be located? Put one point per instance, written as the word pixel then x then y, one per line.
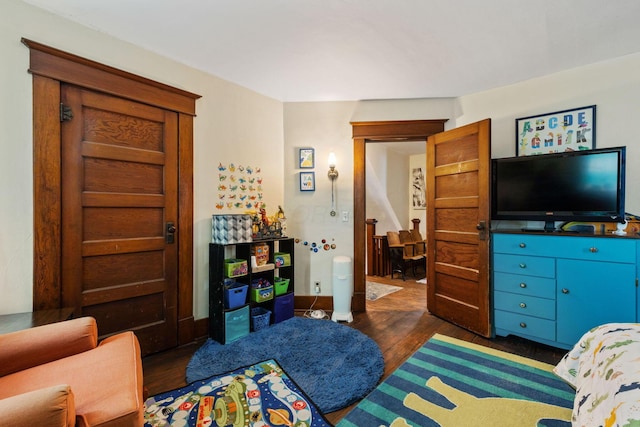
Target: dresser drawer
pixel 522 325
pixel 596 249
pixel 524 244
pixel 528 265
pixel 567 246
pixel 525 285
pixel 524 304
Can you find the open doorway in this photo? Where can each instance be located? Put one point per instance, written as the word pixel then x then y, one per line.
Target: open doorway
pixel 377 132
pixel 395 201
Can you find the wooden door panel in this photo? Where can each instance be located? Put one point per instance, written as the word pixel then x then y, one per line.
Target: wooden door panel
pixel 461 308
pixel 451 286
pixel 122 246
pixel 119 162
pixel 127 311
pixel 116 176
pixel 102 271
pixel 458 259
pixel 122 223
pixel 457 185
pixel 462 255
pixel 117 295
pixel 124 124
pixel 457 220
pixel 466 150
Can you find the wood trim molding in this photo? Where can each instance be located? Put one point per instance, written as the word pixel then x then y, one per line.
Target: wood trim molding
pixel 359 301
pixel 400 130
pixel 186 326
pixel 65 67
pixel 47 209
pixel 50 67
pixel 376 131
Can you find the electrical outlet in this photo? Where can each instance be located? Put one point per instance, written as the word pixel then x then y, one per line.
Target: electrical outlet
pixel 317 287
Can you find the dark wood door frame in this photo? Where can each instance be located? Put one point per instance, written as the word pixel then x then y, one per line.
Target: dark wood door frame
pixel 376 131
pixel 50 67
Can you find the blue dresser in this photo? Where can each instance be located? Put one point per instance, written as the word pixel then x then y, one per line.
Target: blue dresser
pixel 554 288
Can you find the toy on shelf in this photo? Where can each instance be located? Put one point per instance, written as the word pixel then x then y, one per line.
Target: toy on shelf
pixel 264 227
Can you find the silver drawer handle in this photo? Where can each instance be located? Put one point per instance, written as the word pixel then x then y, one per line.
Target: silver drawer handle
pixel 593 250
pixel 523 285
pixel 565 290
pixel 523 305
pixel 523 245
pixel 523 265
pixel 523 325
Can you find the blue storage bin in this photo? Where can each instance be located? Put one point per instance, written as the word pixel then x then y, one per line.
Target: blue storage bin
pixel 235 295
pixel 283 308
pixel 260 318
pixel 236 324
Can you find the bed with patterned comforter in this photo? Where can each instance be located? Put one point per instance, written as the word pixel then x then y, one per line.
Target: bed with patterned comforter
pixel 604 368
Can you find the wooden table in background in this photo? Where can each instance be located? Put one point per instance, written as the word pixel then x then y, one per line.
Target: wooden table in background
pixel 19 321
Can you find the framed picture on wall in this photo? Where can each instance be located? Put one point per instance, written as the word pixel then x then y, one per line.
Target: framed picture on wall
pixel 566 130
pixel 307 181
pixel 306 158
pixel 418 193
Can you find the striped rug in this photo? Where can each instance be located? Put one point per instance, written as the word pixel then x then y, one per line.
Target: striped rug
pixel 449 382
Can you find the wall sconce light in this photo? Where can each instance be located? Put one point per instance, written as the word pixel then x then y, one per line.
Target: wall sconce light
pixel 333 175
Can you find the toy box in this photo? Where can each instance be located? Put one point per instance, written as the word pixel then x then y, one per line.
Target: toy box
pixel 260 318
pixel 261 290
pixel 281 285
pixel 235 267
pixel 229 229
pixel 261 294
pixel 236 324
pixel 235 295
pixel 282 259
pixel 283 308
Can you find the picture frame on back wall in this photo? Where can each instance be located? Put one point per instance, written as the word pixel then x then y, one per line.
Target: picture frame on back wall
pixel 418 189
pixel 306 158
pixel 566 130
pixel 307 181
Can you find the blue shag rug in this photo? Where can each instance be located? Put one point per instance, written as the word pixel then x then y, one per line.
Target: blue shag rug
pixel 334 364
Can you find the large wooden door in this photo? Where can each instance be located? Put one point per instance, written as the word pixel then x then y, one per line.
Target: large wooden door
pixel 119 162
pixel 458 163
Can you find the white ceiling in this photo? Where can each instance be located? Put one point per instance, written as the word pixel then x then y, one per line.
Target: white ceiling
pixel 328 50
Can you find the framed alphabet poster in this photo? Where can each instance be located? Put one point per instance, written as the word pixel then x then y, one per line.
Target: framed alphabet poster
pixel 307 181
pixel 307 158
pixel 567 130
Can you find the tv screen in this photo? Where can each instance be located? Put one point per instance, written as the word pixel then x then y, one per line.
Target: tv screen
pixel 571 186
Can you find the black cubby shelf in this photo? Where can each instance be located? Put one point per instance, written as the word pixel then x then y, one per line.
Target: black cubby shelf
pixel 228 323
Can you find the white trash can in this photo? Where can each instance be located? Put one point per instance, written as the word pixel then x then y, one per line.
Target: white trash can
pixel 342 289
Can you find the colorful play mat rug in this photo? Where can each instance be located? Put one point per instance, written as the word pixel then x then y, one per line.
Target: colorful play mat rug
pixel 260 395
pixel 454 383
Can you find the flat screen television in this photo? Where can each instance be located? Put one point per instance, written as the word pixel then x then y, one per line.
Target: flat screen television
pixel 583 186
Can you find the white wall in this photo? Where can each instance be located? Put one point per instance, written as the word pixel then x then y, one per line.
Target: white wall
pixel 238 125
pixel 377 201
pixel 398 190
pixel 233 124
pixel 613 86
pixel 326 127
pixel 389 183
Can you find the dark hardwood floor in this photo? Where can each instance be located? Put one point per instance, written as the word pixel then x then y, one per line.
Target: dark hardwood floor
pixel 398 322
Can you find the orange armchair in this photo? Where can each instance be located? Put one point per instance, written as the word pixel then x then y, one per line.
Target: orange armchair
pixel 58 374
